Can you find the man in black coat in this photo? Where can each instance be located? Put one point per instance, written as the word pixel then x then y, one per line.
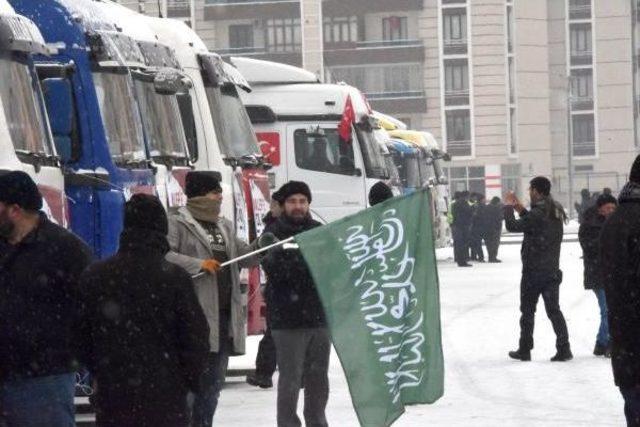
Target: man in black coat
pixel 492 217
pixel 144 335
pixel 478 207
pixel 541 275
pixel 589 236
pixel 297 318
pixel 40 263
pixel 620 267
pixel 461 228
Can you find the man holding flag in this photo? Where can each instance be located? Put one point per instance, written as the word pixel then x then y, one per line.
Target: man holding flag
pixel 297 319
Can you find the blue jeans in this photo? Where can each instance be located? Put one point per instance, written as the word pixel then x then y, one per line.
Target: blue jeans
pixel 38 402
pixel 631 397
pixel 603 332
pixel 205 401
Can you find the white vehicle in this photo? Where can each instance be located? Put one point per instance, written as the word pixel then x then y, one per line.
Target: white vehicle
pixel 26 142
pixel 226 141
pixel 296 119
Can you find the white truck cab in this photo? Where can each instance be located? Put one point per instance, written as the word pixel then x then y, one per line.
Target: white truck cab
pixel 26 142
pixel 296 119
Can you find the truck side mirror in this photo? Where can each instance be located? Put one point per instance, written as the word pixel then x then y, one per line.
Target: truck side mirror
pixel 58 97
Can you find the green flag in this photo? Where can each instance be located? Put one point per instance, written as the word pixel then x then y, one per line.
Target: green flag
pixel 376 275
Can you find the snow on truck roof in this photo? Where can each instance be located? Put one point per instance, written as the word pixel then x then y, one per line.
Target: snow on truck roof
pixel 5 8
pixel 180 37
pixel 258 72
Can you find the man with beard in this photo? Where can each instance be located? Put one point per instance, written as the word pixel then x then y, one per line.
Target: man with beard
pixel 297 319
pixel 143 335
pixel 40 264
pixel 542 226
pixel 201 240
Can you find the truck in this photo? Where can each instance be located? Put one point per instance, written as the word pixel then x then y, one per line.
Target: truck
pixel 225 138
pixel 94 120
pixel 26 142
pixel 296 118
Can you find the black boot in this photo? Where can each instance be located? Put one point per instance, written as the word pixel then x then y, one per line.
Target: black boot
pixel 259 381
pixel 563 355
pixel 522 355
pixel 600 350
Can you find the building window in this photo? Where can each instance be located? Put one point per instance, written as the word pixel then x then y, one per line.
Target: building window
pixel 510 28
pixel 511 178
pixel 283 35
pixel 340 29
pixel 456 79
pixel 382 81
pixel 459 133
pixel 395 28
pixel 511 64
pixel 240 36
pixel 581 48
pixel 580 9
pixel 470 179
pixel 513 132
pixel 582 84
pixel 455 26
pixel 584 141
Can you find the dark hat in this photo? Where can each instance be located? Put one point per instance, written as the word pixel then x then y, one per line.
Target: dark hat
pixel 541 184
pixel 496 200
pixel 379 193
pixel 291 188
pixel 201 183
pixel 605 199
pixel 634 174
pixel 277 197
pixel 145 212
pixel 17 188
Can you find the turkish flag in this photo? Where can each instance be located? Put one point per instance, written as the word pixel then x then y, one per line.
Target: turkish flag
pixel 348 118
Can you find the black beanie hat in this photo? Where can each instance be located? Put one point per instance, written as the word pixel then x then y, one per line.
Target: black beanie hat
pixel 201 183
pixel 605 199
pixel 634 174
pixel 277 197
pixel 542 185
pixel 291 188
pixel 145 212
pixel 17 188
pixel 379 193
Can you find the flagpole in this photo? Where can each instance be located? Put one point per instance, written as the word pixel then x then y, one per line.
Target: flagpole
pixel 249 255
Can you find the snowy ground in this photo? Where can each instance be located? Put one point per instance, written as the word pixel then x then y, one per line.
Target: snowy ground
pixel 482 386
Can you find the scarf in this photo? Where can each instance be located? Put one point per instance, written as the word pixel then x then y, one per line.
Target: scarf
pixel 204 209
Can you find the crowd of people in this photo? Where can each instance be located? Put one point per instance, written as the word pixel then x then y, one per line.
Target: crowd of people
pixel 156 323
pixel 473 222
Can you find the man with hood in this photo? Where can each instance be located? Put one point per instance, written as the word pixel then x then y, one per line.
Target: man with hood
pixel 298 324
pixel 201 240
pixel 144 337
pixel 542 226
pixel 620 268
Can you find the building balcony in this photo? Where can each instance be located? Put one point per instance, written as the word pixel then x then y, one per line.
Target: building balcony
pixel 456 97
pixel 179 8
pixel 374 52
pixel 582 103
pixel 221 10
pixel 584 148
pixel 361 7
pixel 454 1
pixel 291 57
pixel 583 57
pixel 455 46
pixel 459 148
pixel 580 11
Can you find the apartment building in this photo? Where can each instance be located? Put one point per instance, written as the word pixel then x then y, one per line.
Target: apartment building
pixel 510 87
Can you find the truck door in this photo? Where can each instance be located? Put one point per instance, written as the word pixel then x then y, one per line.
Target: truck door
pixel 332 168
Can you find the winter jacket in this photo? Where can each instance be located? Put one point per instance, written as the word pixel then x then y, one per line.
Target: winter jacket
pixel 620 268
pixel 144 335
pixel 292 299
pixel 38 302
pixel 189 247
pixel 543 229
pixel 589 236
pixel 462 214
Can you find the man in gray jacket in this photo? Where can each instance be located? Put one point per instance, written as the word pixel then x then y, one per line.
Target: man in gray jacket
pixel 200 242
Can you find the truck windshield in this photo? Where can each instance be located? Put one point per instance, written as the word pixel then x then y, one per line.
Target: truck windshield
pixel 121 123
pixel 409 170
pixel 233 128
pixel 162 122
pixel 371 146
pixel 22 115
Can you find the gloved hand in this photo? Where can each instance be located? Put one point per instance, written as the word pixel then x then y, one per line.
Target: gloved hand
pixel 210 266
